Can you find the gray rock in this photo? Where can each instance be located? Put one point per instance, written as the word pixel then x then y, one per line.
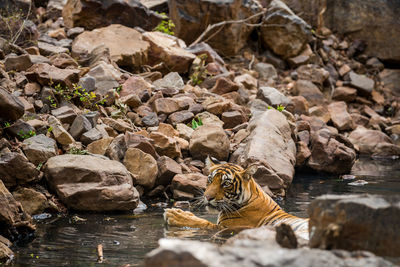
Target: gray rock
pixel 106 77
pixel 356 222
pixel 150 120
pixel 252 253
pixel 91 183
pixel 171 80
pixel 116 150
pixel 92 116
pixel 38 149
pixel 391 80
pixel 65 114
pixel 91 136
pixel 272 96
pixel 80 125
pixel 21 130
pixel 266 71
pixel 11 108
pixel 309 91
pixel 362 83
pixel 17 63
pixel 47 49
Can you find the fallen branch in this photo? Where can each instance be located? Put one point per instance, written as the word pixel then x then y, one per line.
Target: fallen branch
pixel 223 23
pixel 100 257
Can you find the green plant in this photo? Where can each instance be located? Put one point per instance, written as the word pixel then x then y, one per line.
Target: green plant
pixel 39 166
pixel 165 26
pixel 196 123
pixel 26 135
pixel 118 89
pixel 6 124
pixel 50 129
pixel 280 108
pixel 77 151
pixel 199 71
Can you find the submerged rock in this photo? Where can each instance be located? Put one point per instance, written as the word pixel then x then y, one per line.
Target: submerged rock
pixel 91 183
pixel 355 222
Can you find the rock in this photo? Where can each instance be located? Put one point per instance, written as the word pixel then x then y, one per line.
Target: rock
pixel 6 254
pixel 63 60
pixel 91 183
pixel 272 96
pixel 117 148
pixel 45 74
pixel 246 81
pixel 346 94
pixel 217 106
pixel 275 169
pixel 265 71
pixel 165 106
pixel 312 73
pixel 298 105
pixel 232 119
pixel 373 142
pixel 340 117
pixel 141 142
pixel 223 86
pixel 12 161
pixel 21 130
pixel 132 101
pixel 61 135
pixel 183 116
pixel 100 146
pixel 118 124
pixel 47 49
pixel 332 153
pixel 188 185
pixel 91 136
pixel 355 222
pixel 170 81
pixel 32 88
pixel 17 63
pixel 142 166
pixel 310 92
pixel 252 253
pixel 92 14
pixel 168 50
pixel 125 44
pixel 302 154
pixel 38 149
pixel 16 223
pixel 103 77
pixel 211 141
pixel 167 169
pixel 320 112
pixel 11 108
pixel 64 114
pixel 190 21
pixel 138 86
pixel 165 145
pixel 31 200
pixel 79 126
pixel 362 83
pixel 286 41
pixel 391 80
pixel 185 131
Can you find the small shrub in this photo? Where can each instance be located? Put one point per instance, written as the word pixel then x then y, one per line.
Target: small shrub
pixel 196 123
pixel 165 26
pixel 26 135
pixel 199 71
pixel 280 108
pixel 77 151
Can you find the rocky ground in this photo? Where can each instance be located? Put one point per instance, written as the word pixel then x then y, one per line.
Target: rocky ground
pixel 98 110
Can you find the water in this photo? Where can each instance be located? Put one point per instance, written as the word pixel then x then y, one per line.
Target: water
pixel 72 241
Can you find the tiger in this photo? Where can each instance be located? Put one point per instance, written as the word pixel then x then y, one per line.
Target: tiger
pixel 241 201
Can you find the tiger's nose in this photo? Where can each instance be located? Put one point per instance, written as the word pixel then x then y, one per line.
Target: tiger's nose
pixel 209 198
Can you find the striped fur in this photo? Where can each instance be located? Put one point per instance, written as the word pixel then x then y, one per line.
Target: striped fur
pixel 241 201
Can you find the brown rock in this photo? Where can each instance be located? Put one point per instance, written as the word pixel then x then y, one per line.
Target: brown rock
pixel 61 135
pixel 91 183
pixel 167 169
pixel 359 120
pixel 321 112
pixel 142 165
pixel 309 91
pixel 303 153
pixel 223 86
pixel 141 142
pixel 138 86
pixel 17 63
pixel 247 81
pixel 391 80
pixel 63 61
pixel 298 105
pixel 91 14
pixel 312 73
pixel 165 106
pixel 11 107
pixel 339 116
pixel 167 130
pixel 45 74
pixel 218 107
pixel 191 184
pixel 232 119
pixel 211 141
pixel 169 50
pixel 32 88
pixel 31 200
pixel 132 101
pixel 346 94
pixel 16 169
pixel 100 146
pixel 183 116
pixel 166 145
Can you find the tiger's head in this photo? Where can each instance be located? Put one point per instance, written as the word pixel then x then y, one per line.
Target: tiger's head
pixel 228 185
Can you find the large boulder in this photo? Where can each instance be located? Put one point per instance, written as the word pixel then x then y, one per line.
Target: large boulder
pixel 127 48
pixel 11 108
pixel 373 142
pixel 271 147
pixel 209 140
pixel 192 18
pixel 91 183
pixel 355 222
pixel 375 22
pixel 252 253
pixel 330 152
pixel 283 31
pixel 92 14
pixel 14 221
pixel 168 50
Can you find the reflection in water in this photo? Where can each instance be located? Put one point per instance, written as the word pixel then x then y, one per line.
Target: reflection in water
pixel 127 238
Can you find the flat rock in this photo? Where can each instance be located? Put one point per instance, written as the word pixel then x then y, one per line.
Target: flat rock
pixel 91 183
pixel 125 44
pixel 346 94
pixel 47 49
pixel 17 63
pixel 272 96
pixel 59 132
pixel 44 74
pixel 65 114
pixel 223 86
pixel 38 149
pixel 356 222
pixel 362 83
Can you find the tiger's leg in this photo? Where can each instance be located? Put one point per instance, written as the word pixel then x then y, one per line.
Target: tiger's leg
pixel 180 218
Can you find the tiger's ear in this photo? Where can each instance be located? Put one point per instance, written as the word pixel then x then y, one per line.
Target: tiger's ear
pixel 210 161
pixel 249 171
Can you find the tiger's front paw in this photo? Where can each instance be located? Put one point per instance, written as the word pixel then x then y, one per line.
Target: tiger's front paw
pixel 177 217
